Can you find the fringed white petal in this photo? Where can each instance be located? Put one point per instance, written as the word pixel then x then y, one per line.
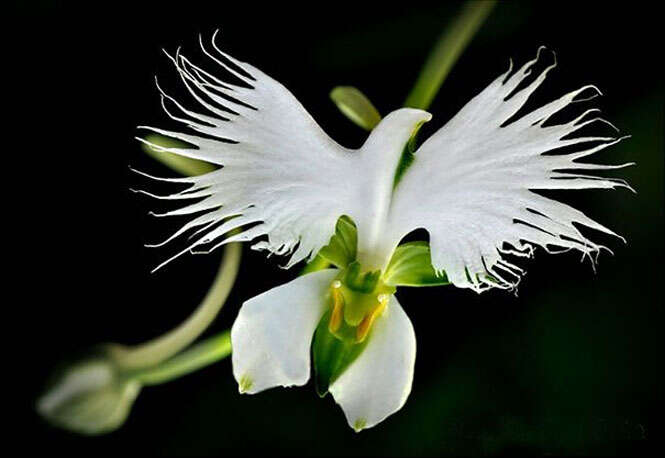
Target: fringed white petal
pixel 378 382
pixel 470 185
pixel 273 332
pixel 282 176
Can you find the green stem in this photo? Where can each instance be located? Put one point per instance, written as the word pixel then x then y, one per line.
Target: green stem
pixel 446 52
pixel 167 345
pixel 202 354
pixel 207 352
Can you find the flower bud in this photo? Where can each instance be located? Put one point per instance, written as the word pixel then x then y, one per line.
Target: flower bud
pixel 356 106
pixel 90 396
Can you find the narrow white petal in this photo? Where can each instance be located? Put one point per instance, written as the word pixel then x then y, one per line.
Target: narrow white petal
pixel 272 334
pixel 378 382
pixel 471 183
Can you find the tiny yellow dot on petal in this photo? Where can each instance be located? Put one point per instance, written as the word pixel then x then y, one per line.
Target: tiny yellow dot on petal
pixel 245 383
pixel 359 424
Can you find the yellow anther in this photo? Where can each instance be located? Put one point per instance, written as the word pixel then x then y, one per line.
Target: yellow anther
pixel 366 324
pixel 338 307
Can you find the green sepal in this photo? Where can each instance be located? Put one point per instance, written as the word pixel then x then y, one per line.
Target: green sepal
pixel 331 355
pixel 341 250
pixel 316 264
pixel 411 265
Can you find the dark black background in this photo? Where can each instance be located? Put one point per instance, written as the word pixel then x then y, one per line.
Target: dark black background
pixel 572 365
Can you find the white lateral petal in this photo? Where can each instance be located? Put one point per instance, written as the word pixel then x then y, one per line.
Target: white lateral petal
pixel 378 382
pixel 471 184
pixel 279 168
pixel 281 172
pixel 282 176
pixel 272 334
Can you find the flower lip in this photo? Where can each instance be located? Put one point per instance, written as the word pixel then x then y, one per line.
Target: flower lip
pixel 386 365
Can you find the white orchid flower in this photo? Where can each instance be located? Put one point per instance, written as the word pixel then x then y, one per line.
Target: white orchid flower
pixel 470 186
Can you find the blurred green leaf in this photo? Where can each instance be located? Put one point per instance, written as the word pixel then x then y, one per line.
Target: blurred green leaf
pixel 355 106
pixel 448 49
pixel 180 164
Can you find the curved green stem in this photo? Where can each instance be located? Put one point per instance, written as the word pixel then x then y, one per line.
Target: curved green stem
pixel 202 354
pixel 447 50
pixel 163 347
